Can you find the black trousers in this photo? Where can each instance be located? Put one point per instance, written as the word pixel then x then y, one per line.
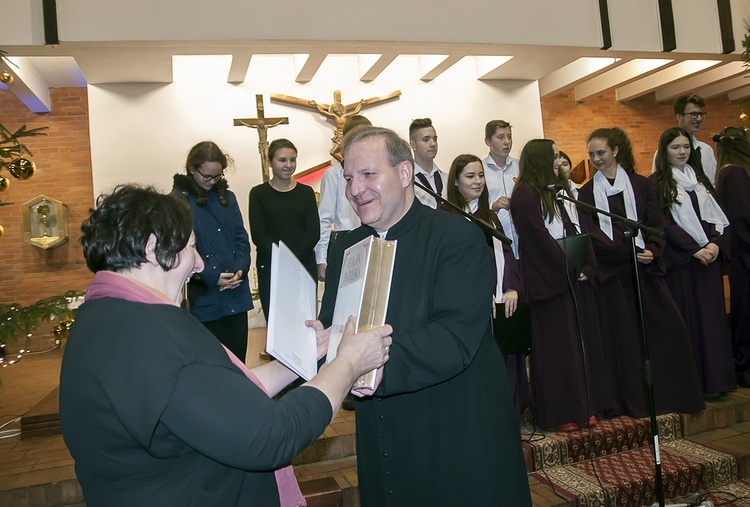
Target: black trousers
pixel 231 331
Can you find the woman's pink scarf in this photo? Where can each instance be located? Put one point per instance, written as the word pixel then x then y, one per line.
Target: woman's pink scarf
pixel 110 284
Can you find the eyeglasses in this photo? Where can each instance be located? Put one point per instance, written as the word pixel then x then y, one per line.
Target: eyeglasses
pixel 207 178
pixel 695 114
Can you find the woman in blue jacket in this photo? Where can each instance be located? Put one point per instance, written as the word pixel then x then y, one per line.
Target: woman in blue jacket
pixel 220 296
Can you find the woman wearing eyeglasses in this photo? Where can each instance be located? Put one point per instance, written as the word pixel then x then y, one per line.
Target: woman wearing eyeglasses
pixel 283 210
pixel 220 296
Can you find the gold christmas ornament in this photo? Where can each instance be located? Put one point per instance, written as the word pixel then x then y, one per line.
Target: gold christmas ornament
pixel 743 116
pixel 22 168
pixel 62 329
pixel 6 77
pixel 2 230
pixel 4 183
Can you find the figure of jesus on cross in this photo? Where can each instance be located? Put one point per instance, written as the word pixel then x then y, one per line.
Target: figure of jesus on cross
pixel 336 112
pixel 262 124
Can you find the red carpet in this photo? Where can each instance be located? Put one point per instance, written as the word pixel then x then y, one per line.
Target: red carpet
pixel 613 464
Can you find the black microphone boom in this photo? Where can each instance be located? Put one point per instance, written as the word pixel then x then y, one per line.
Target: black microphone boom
pixel 487 228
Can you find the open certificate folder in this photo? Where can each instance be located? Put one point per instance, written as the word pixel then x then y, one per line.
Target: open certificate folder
pixel 291 302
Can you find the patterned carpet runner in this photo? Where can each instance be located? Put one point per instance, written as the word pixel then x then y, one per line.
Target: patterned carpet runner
pixel 546 449
pixel 613 464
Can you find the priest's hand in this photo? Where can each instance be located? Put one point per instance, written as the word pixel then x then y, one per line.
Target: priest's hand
pixel 361 392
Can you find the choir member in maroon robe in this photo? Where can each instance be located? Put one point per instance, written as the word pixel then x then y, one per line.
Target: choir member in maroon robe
pixel 733 187
pixel 569 384
pixel 617 188
pixel 697 241
pixel 467 189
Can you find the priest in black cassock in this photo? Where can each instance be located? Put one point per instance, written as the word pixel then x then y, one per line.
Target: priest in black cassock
pixel 440 428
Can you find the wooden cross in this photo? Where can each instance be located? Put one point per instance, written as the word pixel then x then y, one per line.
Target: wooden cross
pixel 262 124
pixel 336 111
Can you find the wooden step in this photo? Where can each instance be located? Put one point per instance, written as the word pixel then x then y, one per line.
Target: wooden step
pixel 337 442
pixel 323 492
pixel 43 418
pixel 732 408
pixel 343 471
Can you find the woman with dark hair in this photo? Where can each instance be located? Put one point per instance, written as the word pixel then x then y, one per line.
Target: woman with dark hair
pixel 568 381
pixel 616 188
pixel 282 210
pixel 220 296
pixel 695 225
pixel 733 187
pixel 467 189
pixel 152 408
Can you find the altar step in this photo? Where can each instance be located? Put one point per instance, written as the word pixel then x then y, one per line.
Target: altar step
pixel 613 463
pixel 627 478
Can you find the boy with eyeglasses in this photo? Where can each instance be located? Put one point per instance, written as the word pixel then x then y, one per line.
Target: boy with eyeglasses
pixel 689 114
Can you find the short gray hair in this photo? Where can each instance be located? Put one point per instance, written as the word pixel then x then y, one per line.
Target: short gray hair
pixel 398 149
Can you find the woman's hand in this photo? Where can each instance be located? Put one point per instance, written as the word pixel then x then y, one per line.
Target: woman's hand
pixel 322 335
pixel 229 280
pixel 510 299
pixel 713 249
pixel 357 354
pixel 704 255
pixel 645 257
pixel 367 350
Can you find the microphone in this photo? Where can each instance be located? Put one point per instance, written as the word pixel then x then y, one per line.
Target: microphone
pixel 717 138
pixel 554 188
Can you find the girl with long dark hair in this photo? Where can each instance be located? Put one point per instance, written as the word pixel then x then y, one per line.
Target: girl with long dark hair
pixel 696 244
pixel 568 381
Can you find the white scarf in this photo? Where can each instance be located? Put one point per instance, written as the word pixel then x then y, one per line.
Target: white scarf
pixel 556 228
pixel 603 189
pixel 570 207
pixel 573 188
pixel 497 248
pixel 684 213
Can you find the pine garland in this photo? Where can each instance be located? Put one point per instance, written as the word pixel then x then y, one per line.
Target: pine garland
pixel 18 321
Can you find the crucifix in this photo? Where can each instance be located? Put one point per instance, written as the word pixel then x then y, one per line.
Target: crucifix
pixel 262 124
pixel 336 112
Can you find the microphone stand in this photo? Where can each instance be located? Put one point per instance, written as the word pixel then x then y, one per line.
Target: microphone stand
pixel 633 227
pixel 487 228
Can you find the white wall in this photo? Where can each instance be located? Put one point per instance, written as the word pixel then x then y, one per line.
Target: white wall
pixel 142 133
